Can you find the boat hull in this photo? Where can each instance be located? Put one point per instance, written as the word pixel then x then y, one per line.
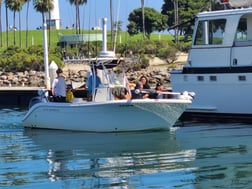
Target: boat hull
pixel 114 116
pixel 227 97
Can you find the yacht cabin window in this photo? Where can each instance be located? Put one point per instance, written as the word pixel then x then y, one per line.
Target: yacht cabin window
pixel 210 32
pixel 244 31
pixel 241 32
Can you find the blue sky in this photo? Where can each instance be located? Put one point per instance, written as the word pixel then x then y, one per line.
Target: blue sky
pixel 91 13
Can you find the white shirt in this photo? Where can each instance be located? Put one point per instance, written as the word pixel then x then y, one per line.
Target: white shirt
pixel 59 86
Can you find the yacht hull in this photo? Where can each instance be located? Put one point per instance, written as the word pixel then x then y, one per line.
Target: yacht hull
pixel 227 97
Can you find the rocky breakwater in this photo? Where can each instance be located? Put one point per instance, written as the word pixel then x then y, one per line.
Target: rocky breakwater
pixel 31 78
pixel 76 73
pixel 157 71
pixel 37 78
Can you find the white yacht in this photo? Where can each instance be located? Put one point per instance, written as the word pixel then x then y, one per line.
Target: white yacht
pixel 219 65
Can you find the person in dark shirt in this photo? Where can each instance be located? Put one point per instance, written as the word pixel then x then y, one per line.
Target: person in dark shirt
pixel 137 92
pixel 145 82
pixel 159 91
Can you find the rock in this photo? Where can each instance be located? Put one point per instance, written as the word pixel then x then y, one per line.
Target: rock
pixel 3 77
pixel 6 82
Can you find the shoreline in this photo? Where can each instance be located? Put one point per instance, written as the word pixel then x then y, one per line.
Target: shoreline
pixel 158 70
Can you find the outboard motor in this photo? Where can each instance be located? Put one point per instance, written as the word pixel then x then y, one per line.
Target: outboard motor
pixel 42 97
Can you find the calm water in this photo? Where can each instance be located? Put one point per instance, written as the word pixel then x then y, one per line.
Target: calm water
pixel 196 156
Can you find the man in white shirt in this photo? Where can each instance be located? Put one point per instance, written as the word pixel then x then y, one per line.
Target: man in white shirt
pixel 59 87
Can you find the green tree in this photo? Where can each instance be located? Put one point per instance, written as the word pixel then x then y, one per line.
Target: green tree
pixel 154 21
pixel 77 3
pixel 1 30
pixel 43 6
pixel 187 10
pixel 15 6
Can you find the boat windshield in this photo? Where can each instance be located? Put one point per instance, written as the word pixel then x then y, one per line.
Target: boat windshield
pixel 115 79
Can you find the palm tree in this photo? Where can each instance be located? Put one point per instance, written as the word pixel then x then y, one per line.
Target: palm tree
pixel 1 30
pixel 77 3
pixel 7 24
pixel 19 31
pixel 27 16
pixel 15 5
pixel 43 6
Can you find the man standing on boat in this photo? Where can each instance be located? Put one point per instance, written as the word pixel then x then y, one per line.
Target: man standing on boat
pixel 59 87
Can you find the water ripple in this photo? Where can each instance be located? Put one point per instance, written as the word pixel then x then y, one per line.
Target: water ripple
pixel 196 156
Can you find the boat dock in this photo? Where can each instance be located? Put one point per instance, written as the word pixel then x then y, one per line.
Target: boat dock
pixel 17 96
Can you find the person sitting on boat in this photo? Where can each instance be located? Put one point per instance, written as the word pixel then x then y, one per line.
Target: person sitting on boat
pixel 159 91
pixel 92 77
pixel 138 93
pixel 59 87
pixel 69 93
pixel 145 82
pixel 120 93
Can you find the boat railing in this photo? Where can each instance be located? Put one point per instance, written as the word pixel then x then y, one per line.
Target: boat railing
pixel 171 94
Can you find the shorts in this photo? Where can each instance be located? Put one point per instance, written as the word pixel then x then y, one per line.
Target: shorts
pixel 59 99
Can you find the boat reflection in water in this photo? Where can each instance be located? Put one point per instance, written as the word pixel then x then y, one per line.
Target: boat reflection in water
pixel 114 159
